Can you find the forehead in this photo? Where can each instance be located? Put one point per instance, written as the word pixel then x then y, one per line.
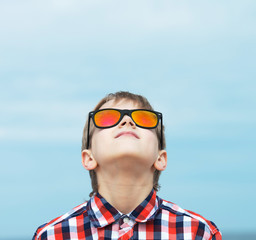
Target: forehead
pixel 121 104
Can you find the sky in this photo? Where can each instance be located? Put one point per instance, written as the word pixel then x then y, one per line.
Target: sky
pixel 193 60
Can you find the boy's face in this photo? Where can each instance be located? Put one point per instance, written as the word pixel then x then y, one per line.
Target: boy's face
pixel 124 145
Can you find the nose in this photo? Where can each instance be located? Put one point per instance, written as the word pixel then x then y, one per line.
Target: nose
pixel 126 121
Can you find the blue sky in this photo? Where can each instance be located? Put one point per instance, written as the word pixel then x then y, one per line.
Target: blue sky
pixel 194 61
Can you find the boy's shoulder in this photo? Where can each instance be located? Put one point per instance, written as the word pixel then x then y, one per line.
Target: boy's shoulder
pixel 187 217
pixel 73 213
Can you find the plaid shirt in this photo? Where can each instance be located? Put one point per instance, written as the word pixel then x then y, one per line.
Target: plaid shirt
pixel 154 218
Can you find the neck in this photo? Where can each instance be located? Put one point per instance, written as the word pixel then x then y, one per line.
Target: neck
pixel 123 191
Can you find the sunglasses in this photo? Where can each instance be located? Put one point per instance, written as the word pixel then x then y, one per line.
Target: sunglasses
pixel 110 117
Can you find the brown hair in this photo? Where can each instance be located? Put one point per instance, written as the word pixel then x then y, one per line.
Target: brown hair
pixel 143 103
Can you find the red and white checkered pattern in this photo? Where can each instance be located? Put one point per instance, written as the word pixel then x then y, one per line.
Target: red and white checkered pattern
pixel 154 218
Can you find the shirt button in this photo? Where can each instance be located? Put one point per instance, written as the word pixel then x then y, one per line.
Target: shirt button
pixel 126 219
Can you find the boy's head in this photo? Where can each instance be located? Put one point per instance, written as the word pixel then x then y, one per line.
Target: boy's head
pixel 112 99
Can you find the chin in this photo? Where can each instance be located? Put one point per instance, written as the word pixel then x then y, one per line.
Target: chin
pixel 127 154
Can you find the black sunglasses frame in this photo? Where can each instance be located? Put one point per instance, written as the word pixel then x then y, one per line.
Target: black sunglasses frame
pixel 123 113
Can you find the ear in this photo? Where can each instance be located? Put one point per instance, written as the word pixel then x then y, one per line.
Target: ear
pixel 88 161
pixel 161 162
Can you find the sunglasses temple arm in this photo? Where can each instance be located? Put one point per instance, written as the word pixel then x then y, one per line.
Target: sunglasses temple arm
pixel 161 133
pixel 88 130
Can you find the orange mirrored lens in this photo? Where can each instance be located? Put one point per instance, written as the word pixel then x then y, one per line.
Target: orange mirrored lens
pixel 106 118
pixel 145 118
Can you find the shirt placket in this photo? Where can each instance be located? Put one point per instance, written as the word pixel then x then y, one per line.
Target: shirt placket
pixel 126 227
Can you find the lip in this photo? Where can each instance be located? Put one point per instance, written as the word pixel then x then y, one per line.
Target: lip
pixel 127 133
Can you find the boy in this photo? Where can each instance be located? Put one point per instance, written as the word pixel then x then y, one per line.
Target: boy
pixel 123 149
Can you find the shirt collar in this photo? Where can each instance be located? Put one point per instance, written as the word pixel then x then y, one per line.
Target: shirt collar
pixel 101 213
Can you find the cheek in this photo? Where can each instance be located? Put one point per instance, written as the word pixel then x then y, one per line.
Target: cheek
pixel 99 140
pixel 95 139
pixel 151 142
pixel 151 134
